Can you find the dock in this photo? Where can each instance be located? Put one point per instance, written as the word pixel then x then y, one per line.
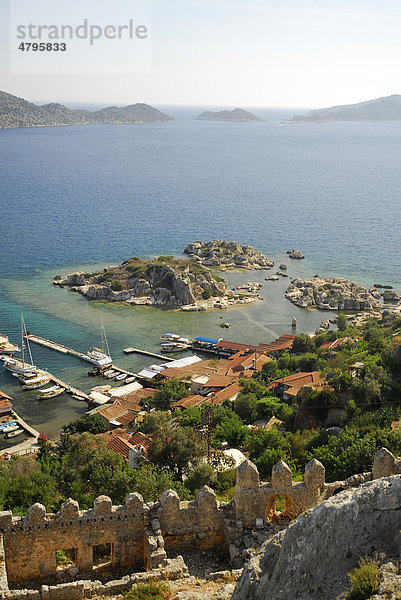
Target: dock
pixel 28 446
pixel 36 339
pixel 146 353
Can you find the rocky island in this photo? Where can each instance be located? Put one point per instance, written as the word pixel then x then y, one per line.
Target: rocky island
pixel 17 112
pixel 220 253
pixel 163 282
pixel 238 114
pixel 332 293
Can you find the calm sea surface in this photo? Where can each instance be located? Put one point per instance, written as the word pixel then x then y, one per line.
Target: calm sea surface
pixel 89 196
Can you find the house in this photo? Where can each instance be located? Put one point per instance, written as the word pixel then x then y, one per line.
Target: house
pixel 187 373
pixel 284 342
pixel 194 400
pixel 289 387
pixel 121 414
pixel 138 453
pixel 244 365
pixel 118 441
pixel 6 407
pixel 228 393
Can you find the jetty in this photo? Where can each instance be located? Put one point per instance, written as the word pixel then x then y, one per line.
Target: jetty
pixel 146 353
pixel 36 339
pixel 28 446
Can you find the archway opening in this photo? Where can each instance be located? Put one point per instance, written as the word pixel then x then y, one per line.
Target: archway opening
pixel 280 508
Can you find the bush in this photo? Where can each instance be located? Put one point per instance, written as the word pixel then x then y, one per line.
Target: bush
pixel 364 579
pixel 116 285
pixel 206 294
pixel 154 590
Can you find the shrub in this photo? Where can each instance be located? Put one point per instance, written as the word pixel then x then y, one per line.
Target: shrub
pixel 364 579
pixel 154 590
pixel 206 294
pixel 116 285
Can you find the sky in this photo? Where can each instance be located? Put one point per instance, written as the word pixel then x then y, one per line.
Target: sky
pixel 249 53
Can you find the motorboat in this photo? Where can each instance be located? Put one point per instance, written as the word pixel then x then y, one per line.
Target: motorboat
pixel 35 382
pixel 6 347
pixel 50 392
pixel 173 337
pixel 100 357
pixel 12 434
pixel 173 347
pixel 130 380
pixel 120 377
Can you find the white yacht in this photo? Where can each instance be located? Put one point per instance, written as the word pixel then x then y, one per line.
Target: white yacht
pixel 101 356
pixel 19 366
pixel 6 347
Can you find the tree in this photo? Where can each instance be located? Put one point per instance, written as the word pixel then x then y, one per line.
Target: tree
pixel 303 343
pixel 177 449
pixel 341 322
pixel 90 423
pixel 172 391
pixel 232 431
pixel 244 406
pixel 201 475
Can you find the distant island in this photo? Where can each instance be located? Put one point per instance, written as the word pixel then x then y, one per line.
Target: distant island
pixel 380 109
pixel 169 282
pixel 238 114
pixel 17 112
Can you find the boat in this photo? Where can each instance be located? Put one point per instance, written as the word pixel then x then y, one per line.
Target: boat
pixel 101 356
pixel 6 347
pixel 12 434
pixel 226 324
pixel 111 374
pixel 18 366
pixel 130 380
pixel 35 382
pixel 50 392
pixel 120 377
pixel 10 428
pixel 173 337
pixel 174 347
pixel 5 426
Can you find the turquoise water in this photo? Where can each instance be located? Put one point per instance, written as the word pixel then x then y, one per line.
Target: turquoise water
pixel 75 197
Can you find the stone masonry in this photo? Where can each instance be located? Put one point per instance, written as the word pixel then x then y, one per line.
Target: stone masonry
pixel 141 534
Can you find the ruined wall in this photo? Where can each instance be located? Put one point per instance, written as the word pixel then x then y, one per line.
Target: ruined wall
pixel 140 534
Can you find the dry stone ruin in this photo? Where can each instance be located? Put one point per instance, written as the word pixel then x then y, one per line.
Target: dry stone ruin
pixel 140 535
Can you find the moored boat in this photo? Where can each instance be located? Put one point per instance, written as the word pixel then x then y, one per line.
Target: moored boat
pixel 12 427
pixel 14 433
pixel 174 347
pixel 18 366
pixel 101 356
pixel 129 380
pixel 120 377
pixel 173 337
pixel 50 392
pixel 35 382
pixel 6 347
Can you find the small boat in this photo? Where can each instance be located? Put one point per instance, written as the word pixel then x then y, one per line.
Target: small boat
pixel 12 434
pixel 294 322
pixel 120 377
pixel 50 392
pixel 173 337
pixel 174 347
pixel 111 374
pixel 18 366
pixel 6 347
pixel 35 382
pixel 11 428
pixel 5 426
pixel 130 380
pixel 106 373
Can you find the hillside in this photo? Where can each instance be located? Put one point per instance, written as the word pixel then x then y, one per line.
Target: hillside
pixel 17 112
pixel 238 114
pixel 380 109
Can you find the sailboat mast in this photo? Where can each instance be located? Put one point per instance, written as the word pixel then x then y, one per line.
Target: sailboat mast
pixel 23 335
pixel 22 341
pixel 105 344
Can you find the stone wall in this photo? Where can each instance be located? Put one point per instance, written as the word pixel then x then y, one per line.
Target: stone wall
pixel 140 534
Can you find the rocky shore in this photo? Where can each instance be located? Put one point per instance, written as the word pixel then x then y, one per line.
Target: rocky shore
pixel 164 282
pixel 220 253
pixel 332 293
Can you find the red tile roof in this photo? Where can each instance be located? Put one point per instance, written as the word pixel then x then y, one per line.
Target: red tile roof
pixel 235 346
pixel 335 344
pixel 118 441
pixel 228 393
pixel 220 381
pixel 141 439
pixel 195 400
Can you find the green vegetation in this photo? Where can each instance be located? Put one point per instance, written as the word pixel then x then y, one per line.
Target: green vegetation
pixel 364 579
pixel 153 590
pixel 90 423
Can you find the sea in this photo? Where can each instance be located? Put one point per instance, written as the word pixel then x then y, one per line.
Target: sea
pixel 85 197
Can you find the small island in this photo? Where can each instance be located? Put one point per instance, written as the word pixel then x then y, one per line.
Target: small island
pixel 236 115
pixel 17 112
pixel 169 282
pixel 380 109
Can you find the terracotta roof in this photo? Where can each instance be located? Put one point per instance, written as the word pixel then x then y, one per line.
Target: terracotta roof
pixel 296 381
pixel 335 344
pixel 221 381
pixel 138 395
pixel 118 441
pixel 228 393
pixel 204 367
pixel 4 395
pixel 141 439
pixel 118 413
pixel 284 342
pixel 241 362
pixel 5 403
pixel 195 400
pixel 235 346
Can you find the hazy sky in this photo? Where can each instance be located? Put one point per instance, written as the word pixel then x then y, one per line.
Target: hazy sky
pixel 300 53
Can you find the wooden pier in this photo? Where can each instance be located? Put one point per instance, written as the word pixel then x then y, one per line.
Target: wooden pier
pixel 36 339
pixel 146 353
pixel 70 389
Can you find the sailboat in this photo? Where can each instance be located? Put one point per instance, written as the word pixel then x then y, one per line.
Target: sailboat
pixel 18 366
pixel 101 356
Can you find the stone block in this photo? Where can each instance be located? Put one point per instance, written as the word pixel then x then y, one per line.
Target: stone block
pixel 315 474
pixel 102 505
pixel 69 509
pixel 206 498
pixel 383 464
pixel 247 475
pixel 134 501
pixel 37 513
pixel 281 475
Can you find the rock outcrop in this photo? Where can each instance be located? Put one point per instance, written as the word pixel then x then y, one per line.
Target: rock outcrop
pixel 312 558
pixel 296 254
pixel 331 293
pixel 220 253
